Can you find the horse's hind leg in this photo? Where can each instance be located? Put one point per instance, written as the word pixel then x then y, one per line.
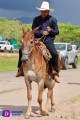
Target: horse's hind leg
pixel 29 96
pixel 50 95
pixel 40 92
pixel 48 99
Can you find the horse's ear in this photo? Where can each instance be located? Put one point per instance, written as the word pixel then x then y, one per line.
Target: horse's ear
pixel 24 29
pixel 32 32
pixel 35 30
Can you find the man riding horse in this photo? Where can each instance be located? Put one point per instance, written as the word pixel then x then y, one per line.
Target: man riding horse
pixel 47 31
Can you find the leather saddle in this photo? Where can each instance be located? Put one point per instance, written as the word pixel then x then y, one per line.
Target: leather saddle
pixel 47 55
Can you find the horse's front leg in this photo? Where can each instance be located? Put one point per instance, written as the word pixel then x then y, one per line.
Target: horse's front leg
pixel 40 92
pixel 29 96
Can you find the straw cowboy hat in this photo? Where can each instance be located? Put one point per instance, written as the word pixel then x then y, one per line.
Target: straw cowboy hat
pixel 45 6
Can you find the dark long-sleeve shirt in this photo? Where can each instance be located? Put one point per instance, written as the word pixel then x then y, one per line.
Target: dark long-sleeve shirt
pixel 44 23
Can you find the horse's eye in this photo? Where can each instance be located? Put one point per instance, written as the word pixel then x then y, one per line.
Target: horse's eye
pixel 31 42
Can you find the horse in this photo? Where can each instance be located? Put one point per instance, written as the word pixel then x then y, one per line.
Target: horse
pixel 34 69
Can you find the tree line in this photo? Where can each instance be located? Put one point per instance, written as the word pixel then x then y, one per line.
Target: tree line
pixel 13 29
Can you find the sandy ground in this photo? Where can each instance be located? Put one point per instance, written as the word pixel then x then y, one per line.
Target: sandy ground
pixel 7 54
pixel 67 96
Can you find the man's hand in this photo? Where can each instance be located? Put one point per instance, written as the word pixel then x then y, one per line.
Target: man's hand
pixel 38 43
pixel 45 33
pixel 48 29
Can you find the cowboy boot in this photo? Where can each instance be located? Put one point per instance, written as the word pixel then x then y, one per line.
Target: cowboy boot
pixel 56 76
pixel 20 72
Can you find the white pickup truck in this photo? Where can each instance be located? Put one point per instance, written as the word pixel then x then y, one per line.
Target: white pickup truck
pixel 6 46
pixel 69 56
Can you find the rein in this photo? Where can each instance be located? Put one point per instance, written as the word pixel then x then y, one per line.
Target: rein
pixel 40 39
pixel 41 60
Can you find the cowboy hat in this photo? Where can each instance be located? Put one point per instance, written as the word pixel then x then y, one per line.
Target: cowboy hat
pixel 45 6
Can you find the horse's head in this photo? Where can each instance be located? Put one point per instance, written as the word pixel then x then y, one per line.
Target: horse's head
pixel 27 44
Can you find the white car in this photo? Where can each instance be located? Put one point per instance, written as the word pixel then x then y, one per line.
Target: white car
pixel 69 56
pixel 6 46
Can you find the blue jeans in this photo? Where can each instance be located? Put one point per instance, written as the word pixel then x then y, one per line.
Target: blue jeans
pixel 54 60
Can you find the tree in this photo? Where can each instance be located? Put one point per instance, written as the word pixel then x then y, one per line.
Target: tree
pixel 13 29
pixel 68 33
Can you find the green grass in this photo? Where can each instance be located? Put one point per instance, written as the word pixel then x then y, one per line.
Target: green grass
pixel 79 60
pixel 8 63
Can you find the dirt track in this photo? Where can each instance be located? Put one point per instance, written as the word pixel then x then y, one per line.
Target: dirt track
pixel 7 54
pixel 67 96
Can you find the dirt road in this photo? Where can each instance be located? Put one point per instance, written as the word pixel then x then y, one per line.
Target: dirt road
pixel 13 96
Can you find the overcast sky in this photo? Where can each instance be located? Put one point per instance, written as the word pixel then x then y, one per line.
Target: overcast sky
pixel 65 10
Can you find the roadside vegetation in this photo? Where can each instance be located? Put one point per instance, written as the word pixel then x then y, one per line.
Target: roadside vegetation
pixel 13 29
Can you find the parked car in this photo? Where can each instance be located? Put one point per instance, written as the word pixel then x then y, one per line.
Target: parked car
pixel 69 56
pixel 79 49
pixel 6 46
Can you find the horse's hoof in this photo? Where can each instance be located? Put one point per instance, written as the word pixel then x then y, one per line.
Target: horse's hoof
pixel 47 114
pixel 44 113
pixel 27 116
pixel 52 110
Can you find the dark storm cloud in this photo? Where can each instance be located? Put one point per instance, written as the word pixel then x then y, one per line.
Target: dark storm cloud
pixel 21 5
pixel 15 4
pixel 65 10
pixel 18 8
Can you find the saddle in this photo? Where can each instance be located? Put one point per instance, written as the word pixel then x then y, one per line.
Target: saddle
pixel 47 55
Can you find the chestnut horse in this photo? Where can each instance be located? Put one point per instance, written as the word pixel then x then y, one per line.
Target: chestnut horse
pixel 34 69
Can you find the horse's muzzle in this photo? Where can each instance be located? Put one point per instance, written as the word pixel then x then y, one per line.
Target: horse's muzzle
pixel 25 57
